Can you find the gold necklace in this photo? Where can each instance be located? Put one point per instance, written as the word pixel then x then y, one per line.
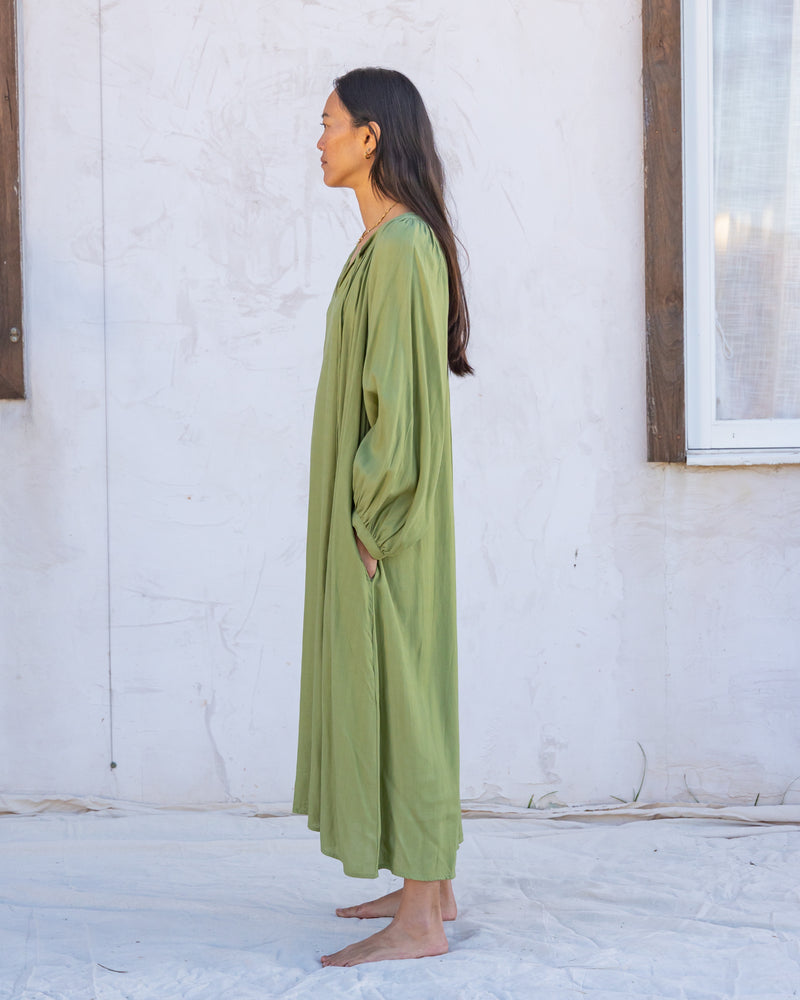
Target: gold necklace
pixel 366 232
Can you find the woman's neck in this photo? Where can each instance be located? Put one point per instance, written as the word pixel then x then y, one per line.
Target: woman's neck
pixel 374 208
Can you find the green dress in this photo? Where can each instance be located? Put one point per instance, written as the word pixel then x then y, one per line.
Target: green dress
pixel 377 762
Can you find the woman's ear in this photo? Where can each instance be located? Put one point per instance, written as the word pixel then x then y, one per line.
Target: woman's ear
pixel 371 139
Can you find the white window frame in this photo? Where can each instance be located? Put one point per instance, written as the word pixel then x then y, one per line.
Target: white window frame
pixel 710 441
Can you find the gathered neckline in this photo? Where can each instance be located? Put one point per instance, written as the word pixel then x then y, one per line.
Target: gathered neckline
pixel 354 256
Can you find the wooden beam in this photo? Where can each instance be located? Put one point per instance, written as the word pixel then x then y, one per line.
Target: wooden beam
pixel 663 221
pixel 12 379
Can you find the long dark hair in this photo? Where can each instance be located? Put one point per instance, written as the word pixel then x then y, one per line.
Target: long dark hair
pixel 407 168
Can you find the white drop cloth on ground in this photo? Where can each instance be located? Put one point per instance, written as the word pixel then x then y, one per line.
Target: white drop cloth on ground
pixel 126 903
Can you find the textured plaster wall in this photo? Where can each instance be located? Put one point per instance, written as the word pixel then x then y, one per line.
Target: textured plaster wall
pixel 180 249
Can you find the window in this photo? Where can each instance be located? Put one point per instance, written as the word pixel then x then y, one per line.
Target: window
pixel 12 382
pixel 740 281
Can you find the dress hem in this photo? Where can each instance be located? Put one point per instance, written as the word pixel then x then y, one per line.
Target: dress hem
pixel 379 868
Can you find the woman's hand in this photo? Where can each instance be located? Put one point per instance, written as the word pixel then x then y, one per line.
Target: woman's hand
pixel 370 564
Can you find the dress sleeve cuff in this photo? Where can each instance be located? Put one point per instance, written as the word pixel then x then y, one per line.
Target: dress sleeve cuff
pixel 366 537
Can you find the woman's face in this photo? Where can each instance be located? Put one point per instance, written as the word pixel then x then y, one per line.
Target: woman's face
pixel 343 147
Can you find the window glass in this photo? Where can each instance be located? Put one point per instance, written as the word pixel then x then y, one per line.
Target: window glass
pixel 756 193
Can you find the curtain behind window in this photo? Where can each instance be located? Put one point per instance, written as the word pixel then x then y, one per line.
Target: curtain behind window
pixel 757 207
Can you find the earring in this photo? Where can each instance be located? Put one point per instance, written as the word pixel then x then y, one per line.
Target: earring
pixel 368 153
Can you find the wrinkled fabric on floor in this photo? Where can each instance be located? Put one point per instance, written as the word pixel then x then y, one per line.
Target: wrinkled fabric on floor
pixel 105 901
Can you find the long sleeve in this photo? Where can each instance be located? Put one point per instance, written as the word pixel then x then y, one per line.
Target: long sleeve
pixel 405 389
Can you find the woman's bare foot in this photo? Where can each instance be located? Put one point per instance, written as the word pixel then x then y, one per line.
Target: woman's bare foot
pixel 416 930
pixel 387 906
pixel 393 942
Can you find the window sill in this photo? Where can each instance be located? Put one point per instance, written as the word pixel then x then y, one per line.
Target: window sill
pixel 743 456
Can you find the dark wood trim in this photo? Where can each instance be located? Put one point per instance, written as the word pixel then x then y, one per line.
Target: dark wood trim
pixel 663 228
pixel 12 377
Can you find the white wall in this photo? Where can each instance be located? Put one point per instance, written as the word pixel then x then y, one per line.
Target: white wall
pixel 180 249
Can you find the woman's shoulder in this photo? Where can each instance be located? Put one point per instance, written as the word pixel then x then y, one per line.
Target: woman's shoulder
pixel 405 233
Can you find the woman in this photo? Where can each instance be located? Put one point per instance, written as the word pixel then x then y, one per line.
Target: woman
pixel 377 769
